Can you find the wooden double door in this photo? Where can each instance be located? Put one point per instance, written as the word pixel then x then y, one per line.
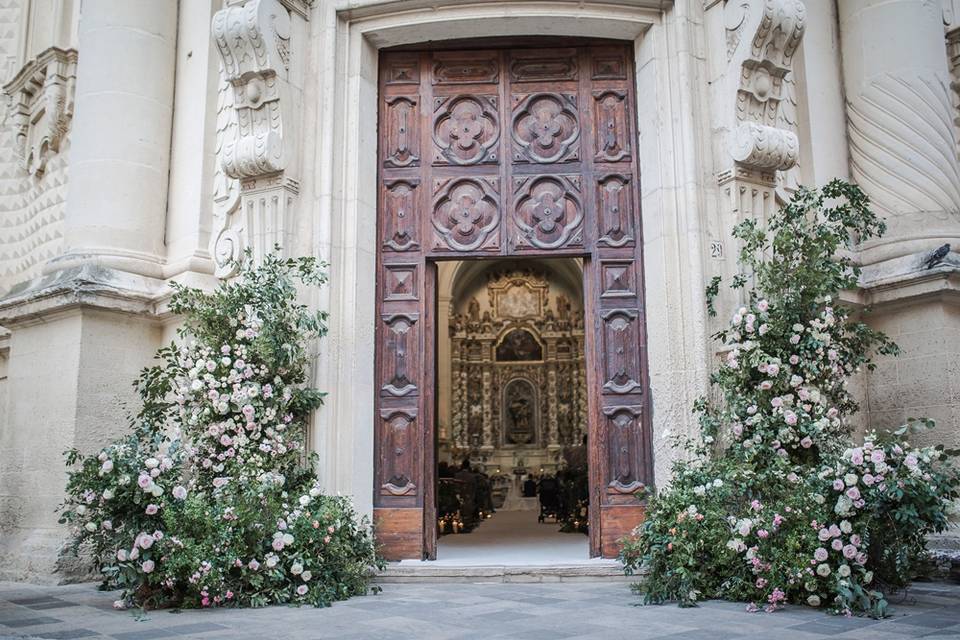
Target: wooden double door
pixel 508 152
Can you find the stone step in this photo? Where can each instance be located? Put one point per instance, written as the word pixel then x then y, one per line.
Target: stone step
pixel 597 571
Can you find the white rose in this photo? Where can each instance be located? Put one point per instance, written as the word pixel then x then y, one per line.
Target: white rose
pixel 823 570
pixel 813 601
pixel 845 526
pixel 90 526
pixel 850 479
pixel 304 501
pixel 843 570
pixel 867 577
pixel 151 463
pixel 107 466
pixel 156 490
pixel 306 576
pixel 296 569
pixel 287 538
pixel 107 494
pixel 81 510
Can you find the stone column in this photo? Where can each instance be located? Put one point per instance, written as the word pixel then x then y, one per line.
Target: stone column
pixel 120 142
pixel 553 431
pixel 487 407
pixel 903 146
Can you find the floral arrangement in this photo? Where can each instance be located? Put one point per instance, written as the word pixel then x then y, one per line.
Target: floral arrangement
pixel 210 501
pixel 775 502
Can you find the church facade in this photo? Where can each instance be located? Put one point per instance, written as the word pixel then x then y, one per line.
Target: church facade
pixel 520 202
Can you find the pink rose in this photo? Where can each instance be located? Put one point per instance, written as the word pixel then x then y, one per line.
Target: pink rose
pixel 277 544
pixel 806 443
pixel 820 555
pixel 151 509
pixel 179 492
pixel 837 544
pixel 144 540
pixel 853 493
pixel 144 481
pixel 849 551
pixel 838 485
pixel 302 590
pixel 147 566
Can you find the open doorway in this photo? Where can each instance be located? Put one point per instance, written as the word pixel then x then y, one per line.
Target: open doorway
pixel 512 413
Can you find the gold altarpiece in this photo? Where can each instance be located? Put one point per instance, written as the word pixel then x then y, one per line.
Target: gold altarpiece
pixel 518 378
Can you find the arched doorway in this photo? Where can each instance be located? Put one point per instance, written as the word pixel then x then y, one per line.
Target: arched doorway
pixel 509 150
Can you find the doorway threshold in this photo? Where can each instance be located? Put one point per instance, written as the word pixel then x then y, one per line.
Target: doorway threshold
pixel 592 570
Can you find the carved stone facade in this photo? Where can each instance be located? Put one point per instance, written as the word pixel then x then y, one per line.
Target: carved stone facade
pixel 517 370
pixel 254 197
pixel 197 131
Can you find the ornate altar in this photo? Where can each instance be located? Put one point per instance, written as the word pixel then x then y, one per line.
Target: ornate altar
pixel 518 372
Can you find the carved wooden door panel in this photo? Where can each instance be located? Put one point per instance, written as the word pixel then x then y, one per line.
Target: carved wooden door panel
pixel 522 151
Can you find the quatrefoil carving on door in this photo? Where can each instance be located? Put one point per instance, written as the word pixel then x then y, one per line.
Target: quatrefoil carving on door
pixel 466 213
pixel 549 213
pixel 465 130
pixel 545 128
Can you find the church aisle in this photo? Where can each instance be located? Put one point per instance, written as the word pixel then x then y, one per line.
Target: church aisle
pixel 513 538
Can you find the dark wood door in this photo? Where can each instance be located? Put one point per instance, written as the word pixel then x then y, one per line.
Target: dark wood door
pixel 521 151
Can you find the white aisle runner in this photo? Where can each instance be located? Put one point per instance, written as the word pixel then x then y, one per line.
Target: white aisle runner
pixel 513 538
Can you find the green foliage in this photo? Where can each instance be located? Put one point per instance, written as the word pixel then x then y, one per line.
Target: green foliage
pixel 208 500
pixel 776 503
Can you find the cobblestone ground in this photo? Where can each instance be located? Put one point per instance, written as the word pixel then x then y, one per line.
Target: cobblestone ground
pixel 529 611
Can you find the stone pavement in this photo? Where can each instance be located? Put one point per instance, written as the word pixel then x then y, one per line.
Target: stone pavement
pixel 548 611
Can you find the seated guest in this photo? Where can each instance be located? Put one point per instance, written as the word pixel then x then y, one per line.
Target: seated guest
pixel 529 487
pixel 444 470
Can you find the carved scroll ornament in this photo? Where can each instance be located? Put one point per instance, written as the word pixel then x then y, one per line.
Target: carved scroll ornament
pixel 761 64
pixel 41 106
pixel 253 40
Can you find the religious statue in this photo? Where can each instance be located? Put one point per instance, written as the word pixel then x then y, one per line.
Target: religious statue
pixel 473 310
pixel 563 307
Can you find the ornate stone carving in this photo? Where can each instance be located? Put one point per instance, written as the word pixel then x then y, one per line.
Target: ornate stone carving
pixel 760 64
pixel 903 147
pixel 254 198
pixel 253 41
pixel 545 127
pixel 41 106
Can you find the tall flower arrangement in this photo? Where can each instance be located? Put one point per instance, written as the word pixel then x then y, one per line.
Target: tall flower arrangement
pixel 777 503
pixel 208 501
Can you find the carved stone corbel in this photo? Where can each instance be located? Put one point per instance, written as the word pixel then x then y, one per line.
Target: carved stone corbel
pixel 253 40
pixel 762 37
pixel 761 63
pixel 41 106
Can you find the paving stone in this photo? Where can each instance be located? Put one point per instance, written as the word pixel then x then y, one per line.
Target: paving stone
pixel 30 622
pixel 68 634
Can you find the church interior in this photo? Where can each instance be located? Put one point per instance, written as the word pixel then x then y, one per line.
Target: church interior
pixel 512 411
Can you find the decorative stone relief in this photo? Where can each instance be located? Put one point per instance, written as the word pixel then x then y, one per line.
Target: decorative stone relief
pixel 41 106
pixel 253 40
pixel 762 38
pixel 918 181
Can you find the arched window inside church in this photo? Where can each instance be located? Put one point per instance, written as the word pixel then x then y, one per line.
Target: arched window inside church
pixel 519 345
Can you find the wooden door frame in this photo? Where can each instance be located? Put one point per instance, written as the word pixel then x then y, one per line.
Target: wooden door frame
pixel 610 501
